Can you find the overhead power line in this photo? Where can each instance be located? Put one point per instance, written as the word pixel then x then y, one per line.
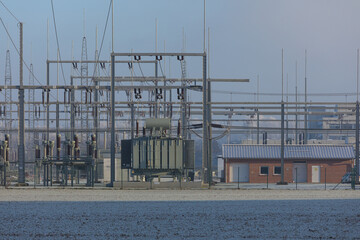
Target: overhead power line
pixel 103 37
pixel 285 94
pixel 9 11
pixel 18 52
pixel 57 41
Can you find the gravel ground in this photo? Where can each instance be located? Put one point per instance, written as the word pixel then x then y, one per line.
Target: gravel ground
pixel 260 219
pixel 171 214
pixel 51 194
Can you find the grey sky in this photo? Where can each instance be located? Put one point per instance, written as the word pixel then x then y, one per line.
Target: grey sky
pixel 246 37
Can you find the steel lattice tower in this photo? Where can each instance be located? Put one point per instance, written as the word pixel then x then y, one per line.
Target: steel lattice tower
pixel 184 99
pixel 84 82
pixel 8 96
pixel 31 108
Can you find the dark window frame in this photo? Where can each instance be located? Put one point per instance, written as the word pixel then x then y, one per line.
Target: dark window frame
pixel 277 167
pixel 264 167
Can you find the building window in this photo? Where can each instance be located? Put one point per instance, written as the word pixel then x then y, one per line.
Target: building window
pixel 277 170
pixel 264 170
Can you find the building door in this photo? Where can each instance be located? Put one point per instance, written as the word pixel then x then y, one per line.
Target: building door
pixel 239 172
pixel 315 174
pixel 301 170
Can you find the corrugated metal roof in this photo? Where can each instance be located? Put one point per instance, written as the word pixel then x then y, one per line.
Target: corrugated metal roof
pixel 239 151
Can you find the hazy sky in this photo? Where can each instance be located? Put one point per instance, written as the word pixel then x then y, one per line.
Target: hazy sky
pixel 246 37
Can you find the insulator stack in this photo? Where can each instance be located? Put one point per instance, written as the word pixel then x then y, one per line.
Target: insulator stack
pixel 178 128
pixel 76 139
pixel 47 149
pixel 90 150
pixel 58 142
pixel 137 128
pixel 65 96
pixel 76 145
pixel 69 96
pixel 37 152
pixel 7 147
pixel 93 137
pixel 69 148
pixel 7 153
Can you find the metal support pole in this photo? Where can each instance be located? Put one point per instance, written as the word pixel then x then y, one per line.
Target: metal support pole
pixel 44 180
pixel 57 174
pixel 71 175
pixel 112 148
pixel 183 110
pixel 47 174
pixel 57 150
pixel 132 124
pixel 357 144
pixel 92 175
pixel 282 143
pixel 46 101
pixel 305 116
pixel 156 84
pixel 209 133
pixel 296 180
pixel 72 109
pixel 238 178
pixel 209 112
pixel 21 131
pixel 296 106
pixel 5 174
pixel 267 180
pixel 96 126
pixel 325 178
pixel 257 126
pixel 51 182
pixel 205 124
pixel 57 118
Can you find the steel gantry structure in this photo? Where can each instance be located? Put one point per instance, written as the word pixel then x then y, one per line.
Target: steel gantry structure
pixel 60 117
pixel 98 108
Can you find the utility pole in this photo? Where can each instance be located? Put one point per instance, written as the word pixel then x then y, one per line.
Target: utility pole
pixel 84 93
pixel 205 122
pixel 357 122
pixel 282 152
pixel 209 113
pixel 296 106
pixel 257 113
pixel 21 129
pixel 112 148
pixel 8 98
pixel 305 116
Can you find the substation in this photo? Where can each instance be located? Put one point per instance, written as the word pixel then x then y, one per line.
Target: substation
pixel 52 132
pixel 106 124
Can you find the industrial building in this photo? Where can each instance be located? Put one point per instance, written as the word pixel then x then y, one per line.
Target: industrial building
pixel 302 163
